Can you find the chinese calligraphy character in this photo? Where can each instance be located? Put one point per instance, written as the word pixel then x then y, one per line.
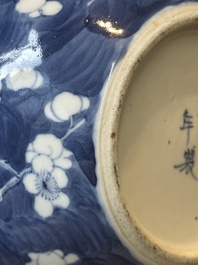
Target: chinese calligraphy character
pixel 188 165
pixel 187 124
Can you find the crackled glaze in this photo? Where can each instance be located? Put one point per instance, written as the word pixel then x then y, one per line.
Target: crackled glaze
pixel 55 59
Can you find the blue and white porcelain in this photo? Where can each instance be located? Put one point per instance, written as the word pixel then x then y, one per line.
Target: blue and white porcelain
pixel 55 60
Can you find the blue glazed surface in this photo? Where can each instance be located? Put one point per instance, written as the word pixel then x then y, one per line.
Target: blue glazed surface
pixel 72 55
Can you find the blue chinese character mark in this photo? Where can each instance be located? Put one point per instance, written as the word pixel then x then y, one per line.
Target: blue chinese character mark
pixel 188 164
pixel 189 154
pixel 187 124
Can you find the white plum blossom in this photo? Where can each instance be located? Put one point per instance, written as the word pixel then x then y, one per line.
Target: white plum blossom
pixel 49 160
pixel 65 105
pixel 27 78
pixel 37 8
pixel 55 257
pixel 18 66
pixel 47 152
pixel 46 175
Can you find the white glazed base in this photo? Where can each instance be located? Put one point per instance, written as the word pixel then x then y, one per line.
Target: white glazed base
pixel 159 188
pixel 142 243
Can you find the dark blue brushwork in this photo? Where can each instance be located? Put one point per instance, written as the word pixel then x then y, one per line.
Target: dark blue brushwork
pixel 77 58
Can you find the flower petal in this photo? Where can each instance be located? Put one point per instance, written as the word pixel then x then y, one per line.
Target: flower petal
pixel 66 153
pixel 85 103
pixel 62 201
pixel 60 177
pixel 25 6
pixel 38 81
pixel 49 113
pixel 48 144
pixel 71 258
pixel 60 112
pixel 30 155
pixel 29 182
pixel 42 163
pixel 59 253
pixel 33 256
pixel 51 8
pixel 63 163
pixel 51 258
pixel 24 79
pixel 68 103
pixel 30 147
pixel 34 14
pixel 43 207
